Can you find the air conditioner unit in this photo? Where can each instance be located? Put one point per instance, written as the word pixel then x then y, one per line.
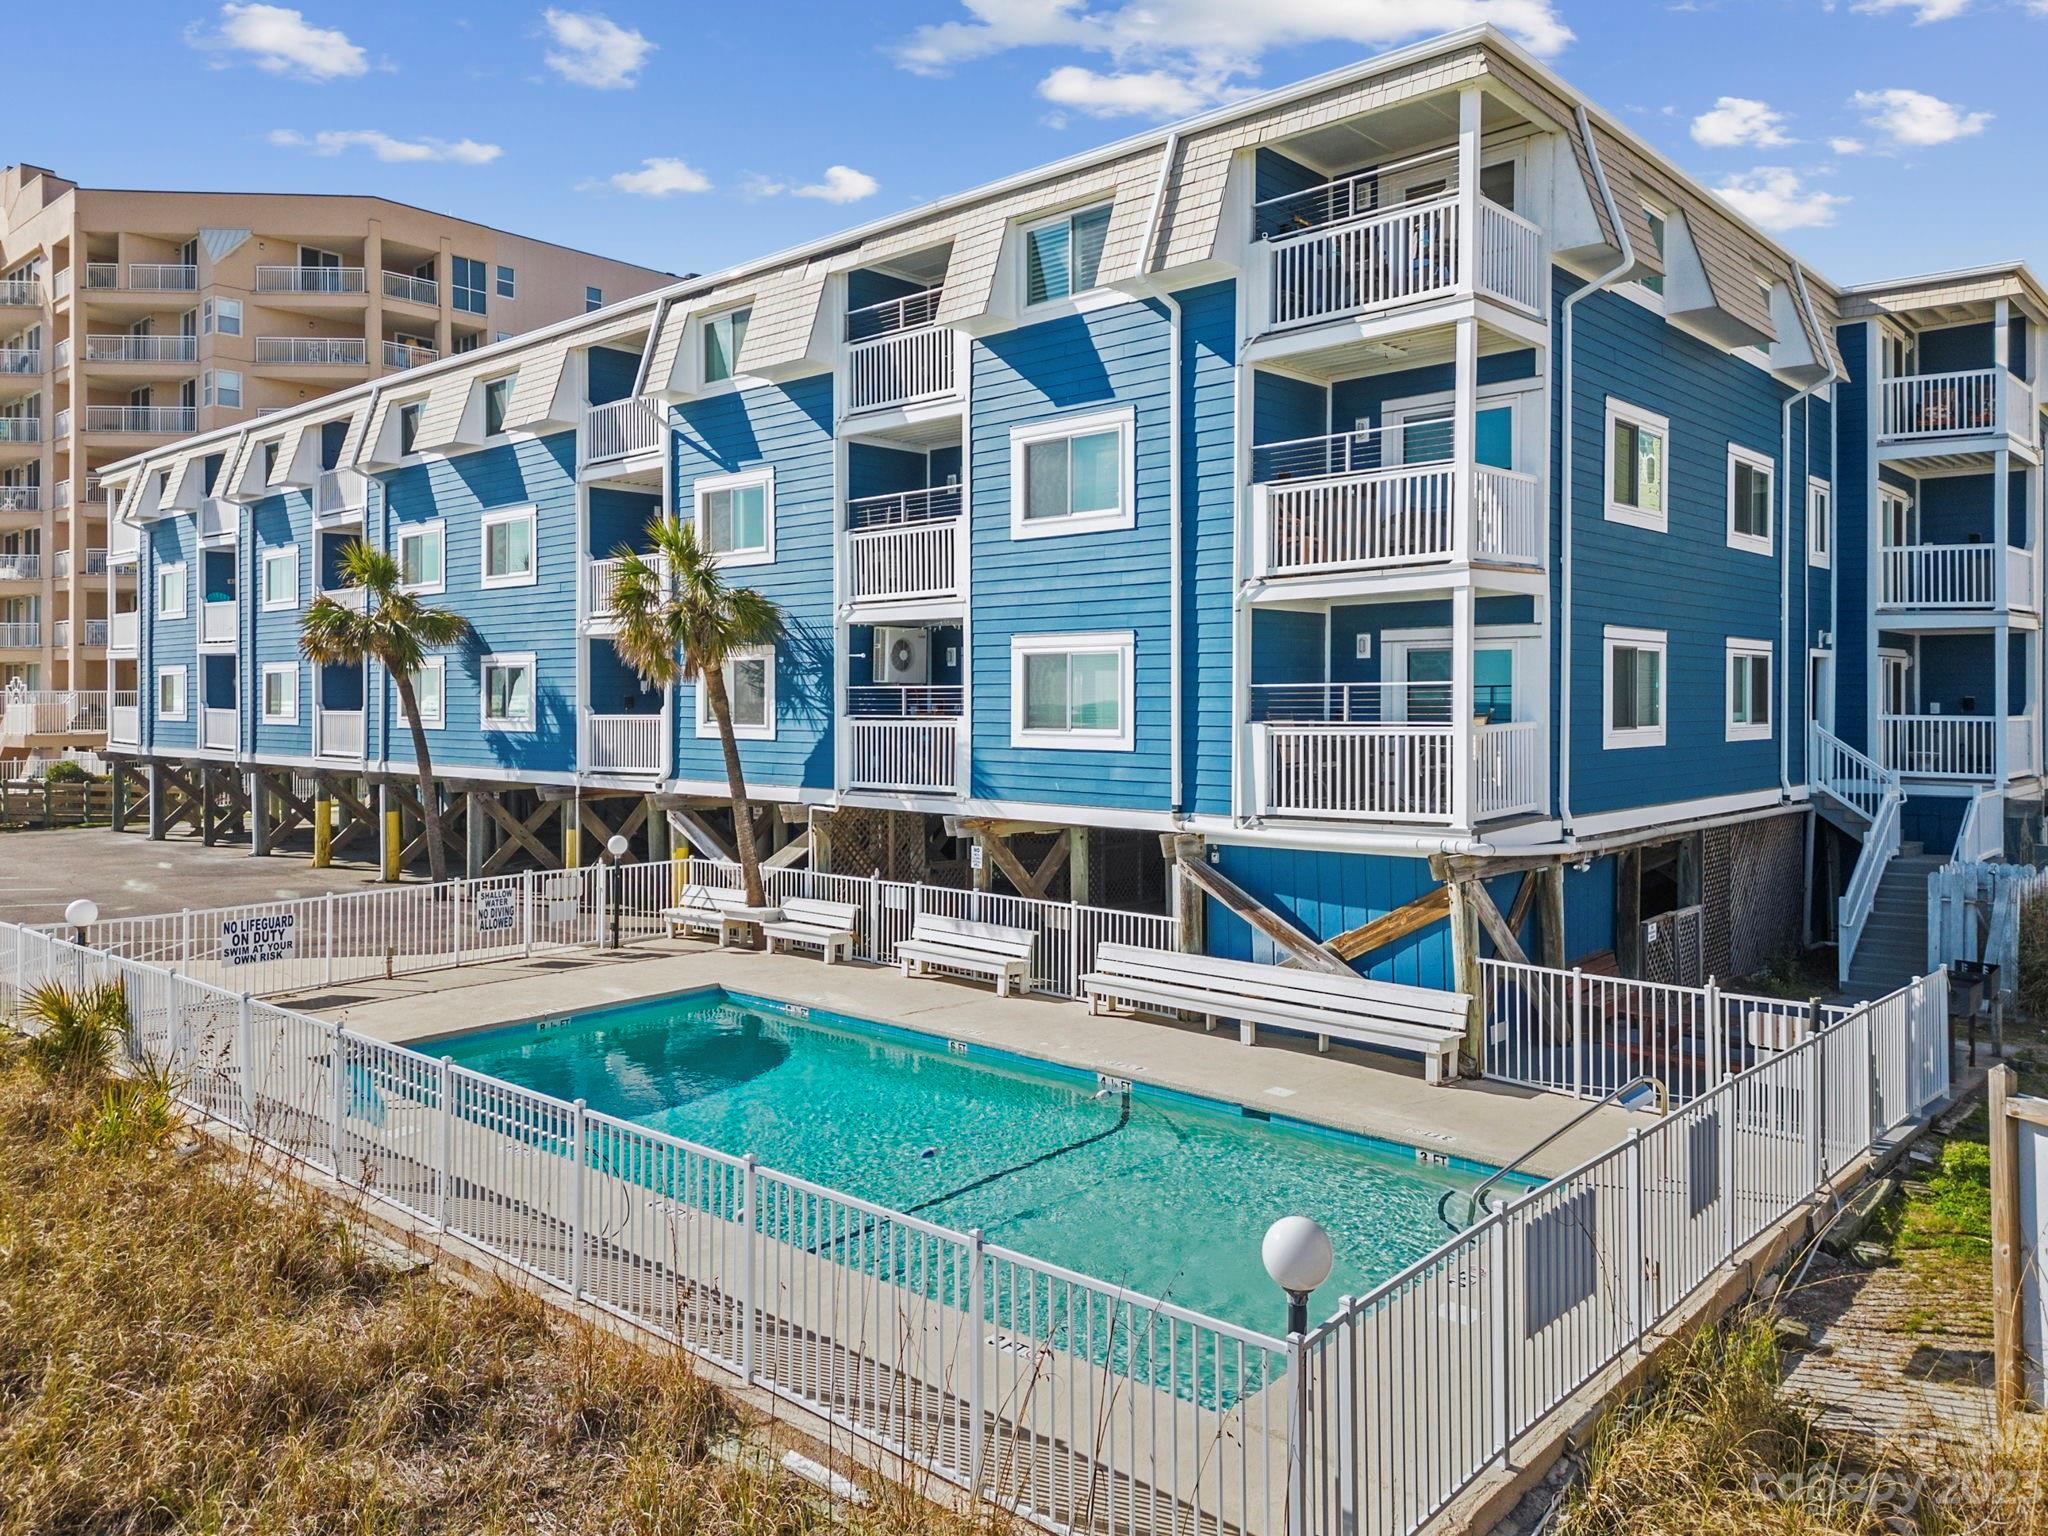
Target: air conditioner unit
pixel 903 657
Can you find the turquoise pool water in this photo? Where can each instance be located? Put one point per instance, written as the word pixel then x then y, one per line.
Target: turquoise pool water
pixel 1154 1190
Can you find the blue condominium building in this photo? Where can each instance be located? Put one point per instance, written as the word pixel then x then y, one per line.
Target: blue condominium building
pixel 1399 512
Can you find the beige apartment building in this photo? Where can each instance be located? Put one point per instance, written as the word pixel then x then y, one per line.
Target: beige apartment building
pixel 131 318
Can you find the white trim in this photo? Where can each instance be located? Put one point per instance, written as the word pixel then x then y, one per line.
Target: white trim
pixel 277 552
pixel 184 709
pixel 1654 640
pixel 1763 463
pixel 1820 552
pixel 1748 650
pixel 278 669
pixel 435 667
pixel 507 661
pixel 499 517
pixel 1509 395
pixel 1123 421
pixel 700 328
pixel 184 590
pixel 708 485
pixel 1045 220
pixel 1671 812
pixel 707 727
pixel 1618 411
pixel 437 527
pixel 1123 644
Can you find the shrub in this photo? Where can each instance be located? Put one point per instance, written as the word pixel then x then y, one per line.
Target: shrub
pixel 2032 981
pixel 76 1030
pixel 66 772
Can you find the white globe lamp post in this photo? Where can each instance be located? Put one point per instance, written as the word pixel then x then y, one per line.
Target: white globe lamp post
pixel 1297 1254
pixel 81 915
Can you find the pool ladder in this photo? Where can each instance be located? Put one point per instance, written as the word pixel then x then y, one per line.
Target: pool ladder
pixel 1475 1199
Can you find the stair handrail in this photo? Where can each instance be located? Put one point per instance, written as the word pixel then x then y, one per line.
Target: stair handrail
pixel 1852 777
pixel 1475 1198
pixel 1880 846
pixel 1981 836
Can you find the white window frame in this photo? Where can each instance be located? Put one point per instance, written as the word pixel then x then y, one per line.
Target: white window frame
pixel 434 669
pixel 505 661
pixel 278 669
pixel 277 554
pixel 508 281
pixel 498 518
pixel 483 401
pixel 1764 464
pixel 177 568
pixel 706 726
pixel 438 528
pixel 705 383
pixel 1122 421
pixel 1066 216
pixel 1615 637
pixel 1820 522
pixel 709 485
pixel 213 317
pixel 1746 651
pixel 1123 643
pixel 184 709
pixel 1619 411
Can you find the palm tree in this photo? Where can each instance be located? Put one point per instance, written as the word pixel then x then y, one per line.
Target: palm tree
pixel 680 620
pixel 395 629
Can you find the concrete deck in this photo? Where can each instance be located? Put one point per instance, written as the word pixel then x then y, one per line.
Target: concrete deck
pixel 1348 1089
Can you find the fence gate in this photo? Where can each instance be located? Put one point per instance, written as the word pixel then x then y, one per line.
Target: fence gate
pixel 1674 947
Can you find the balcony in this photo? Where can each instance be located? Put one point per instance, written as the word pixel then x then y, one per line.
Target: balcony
pixel 399 354
pixel 904 546
pixel 270 279
pixel 21 293
pixel 141 349
pixel 896 356
pixel 599 576
pixel 63 424
pixel 623 429
pixel 1942 746
pixel 20 636
pixel 29 498
pixel 124 718
pixel 357 598
pixel 161 420
pixel 338 733
pixel 96 634
pixel 1325 504
pixel 24 567
pixel 124 633
pixel 22 366
pixel 96 560
pixel 624 743
pixel 20 429
pixel 23 715
pixel 412 290
pixel 162 277
pixel 904 740
pixel 1915 576
pixel 219 729
pixel 340 495
pixel 312 352
pixel 1931 409
pixel 217 621
pixel 60 635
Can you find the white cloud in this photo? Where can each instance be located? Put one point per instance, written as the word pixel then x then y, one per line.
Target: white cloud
pixel 1177 56
pixel 1740 120
pixel 1913 119
pixel 1843 144
pixel 281 40
pixel 335 141
pixel 1777 198
pixel 839 184
pixel 659 176
pixel 1923 11
pixel 594 50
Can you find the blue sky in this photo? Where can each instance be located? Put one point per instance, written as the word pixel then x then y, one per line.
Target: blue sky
pixel 1877 137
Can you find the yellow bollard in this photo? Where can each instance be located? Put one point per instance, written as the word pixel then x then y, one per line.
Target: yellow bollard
pixel 572 846
pixel 323 831
pixel 679 876
pixel 394 845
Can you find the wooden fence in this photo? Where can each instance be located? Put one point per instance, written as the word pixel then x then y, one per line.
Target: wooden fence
pixel 39 803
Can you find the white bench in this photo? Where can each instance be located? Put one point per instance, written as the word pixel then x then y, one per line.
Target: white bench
pixel 709 909
pixel 954 944
pixel 826 926
pixel 1353 1008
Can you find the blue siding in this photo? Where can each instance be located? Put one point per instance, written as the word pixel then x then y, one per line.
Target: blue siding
pixel 1285 408
pixel 611 374
pixel 1329 894
pixel 277 522
pixel 1855 528
pixel 1352 400
pixel 169 642
pixel 1208 541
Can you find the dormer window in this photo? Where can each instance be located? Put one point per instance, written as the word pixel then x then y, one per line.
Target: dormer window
pixel 724 336
pixel 1656 218
pixel 409 426
pixel 498 403
pixel 1063 256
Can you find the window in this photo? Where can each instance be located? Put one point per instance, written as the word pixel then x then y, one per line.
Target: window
pixel 1063 256
pixel 221 386
pixel 170 591
pixel 593 298
pixel 280 693
pixel 724 335
pixel 420 550
pixel 466 341
pixel 736 517
pixel 1637 452
pixel 1497 183
pixel 1820 522
pixel 1071 476
pixel 508 548
pixel 170 693
pixel 269 462
pixel 220 317
pixel 1749 690
pixel 1072 691
pixel 1749 500
pixel 467 287
pixel 1656 219
pixel 497 401
pixel 749 692
pixel 508 683
pixel 409 426
pixel 430 692
pixel 508 283
pixel 281 577
pixel 1633 665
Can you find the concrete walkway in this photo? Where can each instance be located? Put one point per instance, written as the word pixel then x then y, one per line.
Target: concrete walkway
pixel 1354 1090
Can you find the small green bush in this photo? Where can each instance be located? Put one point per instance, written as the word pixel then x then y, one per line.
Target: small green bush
pixel 66 772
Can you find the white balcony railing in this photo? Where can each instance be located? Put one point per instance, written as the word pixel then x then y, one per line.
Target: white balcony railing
pixel 20 293
pixel 63 423
pixel 173 419
pixel 599 575
pixel 338 733
pixel 413 290
pixel 20 635
pixel 1398 772
pixel 2022 746
pixel 901 368
pixel 60 635
pixel 338 493
pixel 124 633
pixel 1401 255
pixel 907 756
pixel 23 715
pixel 102 274
pixel 357 598
pixel 624 743
pixel 21 429
pixel 1940 746
pixel 96 633
pixel 309 279
pixel 162 277
pixel 913 311
pixel 1973 402
pixel 141 349
pixel 1508 768
pixel 24 567
pixel 621 428
pixel 217 621
pixel 313 351
pixel 60 565
pixel 912 560
pixel 124 719
pixel 402 354
pixel 20 362
pixel 29 498
pixel 219 729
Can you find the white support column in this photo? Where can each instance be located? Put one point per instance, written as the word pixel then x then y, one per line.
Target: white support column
pixel 2001 519
pixel 1465 438
pixel 1470 102
pixel 1464 738
pixel 2001 694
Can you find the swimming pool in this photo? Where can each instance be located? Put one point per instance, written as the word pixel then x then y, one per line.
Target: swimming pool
pixel 1140 1186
